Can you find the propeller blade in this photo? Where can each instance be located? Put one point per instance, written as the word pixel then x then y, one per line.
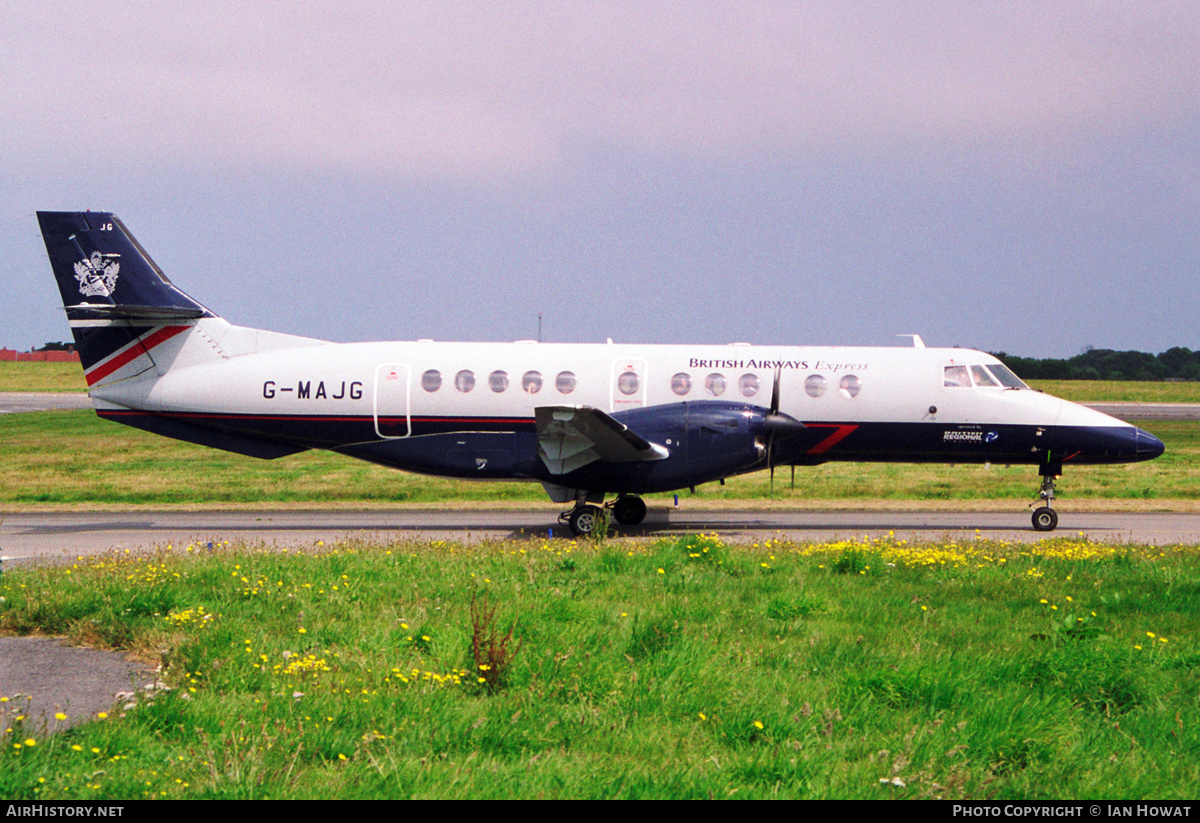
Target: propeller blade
pixel 772 415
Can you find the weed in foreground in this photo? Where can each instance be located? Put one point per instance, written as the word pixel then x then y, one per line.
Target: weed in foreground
pixel 492 652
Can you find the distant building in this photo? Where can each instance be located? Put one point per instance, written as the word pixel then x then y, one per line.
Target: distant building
pixel 11 356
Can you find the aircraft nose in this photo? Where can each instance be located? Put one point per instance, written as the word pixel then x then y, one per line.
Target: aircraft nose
pixel 1148 446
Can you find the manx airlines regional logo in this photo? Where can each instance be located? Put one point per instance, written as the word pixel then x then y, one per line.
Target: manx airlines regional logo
pixel 97 275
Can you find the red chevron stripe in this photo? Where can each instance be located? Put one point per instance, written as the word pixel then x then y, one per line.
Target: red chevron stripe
pixel 136 350
pixel 841 431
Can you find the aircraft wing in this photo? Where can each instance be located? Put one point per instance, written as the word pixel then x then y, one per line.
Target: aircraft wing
pixel 571 437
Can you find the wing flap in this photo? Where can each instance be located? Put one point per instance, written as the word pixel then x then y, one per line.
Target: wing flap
pixel 571 437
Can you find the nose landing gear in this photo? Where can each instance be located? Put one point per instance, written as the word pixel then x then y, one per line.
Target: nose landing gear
pixel 1045 519
pixel 583 519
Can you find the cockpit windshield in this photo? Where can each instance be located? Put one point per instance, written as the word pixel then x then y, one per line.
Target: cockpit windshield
pixel 994 376
pixel 1006 377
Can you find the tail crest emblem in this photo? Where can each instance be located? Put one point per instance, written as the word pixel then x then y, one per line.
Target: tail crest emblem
pixel 97 275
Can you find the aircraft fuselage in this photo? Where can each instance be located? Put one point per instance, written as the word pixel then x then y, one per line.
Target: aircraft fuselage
pixel 467 409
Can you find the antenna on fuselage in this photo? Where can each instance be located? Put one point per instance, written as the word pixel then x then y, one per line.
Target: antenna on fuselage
pixel 539 327
pixel 917 342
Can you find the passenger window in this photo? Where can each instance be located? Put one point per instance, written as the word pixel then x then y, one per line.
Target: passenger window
pixel 431 380
pixel 957 377
pixel 982 378
pixel 748 385
pixel 531 382
pixel 627 383
pixel 498 381
pixel 464 381
pixel 715 384
pixel 815 385
pixel 681 383
pixel 850 386
pixel 565 382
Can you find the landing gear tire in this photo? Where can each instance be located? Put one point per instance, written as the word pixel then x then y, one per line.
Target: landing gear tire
pixel 584 520
pixel 629 511
pixel 1045 519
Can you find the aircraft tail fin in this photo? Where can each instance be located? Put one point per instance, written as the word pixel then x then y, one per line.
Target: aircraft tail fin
pixel 118 301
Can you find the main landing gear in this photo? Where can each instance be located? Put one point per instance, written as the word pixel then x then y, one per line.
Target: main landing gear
pixel 628 510
pixel 1045 519
pixel 583 519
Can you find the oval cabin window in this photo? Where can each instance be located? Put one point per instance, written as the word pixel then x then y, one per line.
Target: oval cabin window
pixel 850 386
pixel 531 382
pixel 748 385
pixel 565 382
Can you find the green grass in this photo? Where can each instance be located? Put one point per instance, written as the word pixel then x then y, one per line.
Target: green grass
pixel 74 458
pixel 677 668
pixel 39 377
pixel 1120 391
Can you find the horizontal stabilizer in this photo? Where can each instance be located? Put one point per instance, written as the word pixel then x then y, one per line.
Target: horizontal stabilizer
pixel 571 437
pixel 165 314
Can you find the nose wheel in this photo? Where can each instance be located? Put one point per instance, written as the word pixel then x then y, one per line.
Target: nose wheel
pixel 1045 519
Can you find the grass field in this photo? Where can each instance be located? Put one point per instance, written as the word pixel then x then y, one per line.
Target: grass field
pixel 72 458
pixel 678 668
pixel 1120 391
pixel 38 377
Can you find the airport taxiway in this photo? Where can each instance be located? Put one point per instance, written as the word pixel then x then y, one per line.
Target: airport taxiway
pixel 65 535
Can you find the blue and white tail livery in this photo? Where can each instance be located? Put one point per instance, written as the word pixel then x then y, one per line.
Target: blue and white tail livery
pixel 589 422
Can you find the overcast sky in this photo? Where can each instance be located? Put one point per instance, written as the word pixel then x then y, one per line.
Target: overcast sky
pixel 1005 176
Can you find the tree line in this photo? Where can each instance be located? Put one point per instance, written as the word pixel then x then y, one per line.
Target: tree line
pixel 1105 364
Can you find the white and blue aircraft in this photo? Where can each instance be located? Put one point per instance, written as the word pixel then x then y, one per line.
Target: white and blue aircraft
pixel 586 421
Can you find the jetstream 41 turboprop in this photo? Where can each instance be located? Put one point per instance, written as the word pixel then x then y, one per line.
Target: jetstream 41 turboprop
pixel 587 421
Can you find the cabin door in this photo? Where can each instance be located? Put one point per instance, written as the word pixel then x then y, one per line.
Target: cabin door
pixel 628 384
pixel 392 401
